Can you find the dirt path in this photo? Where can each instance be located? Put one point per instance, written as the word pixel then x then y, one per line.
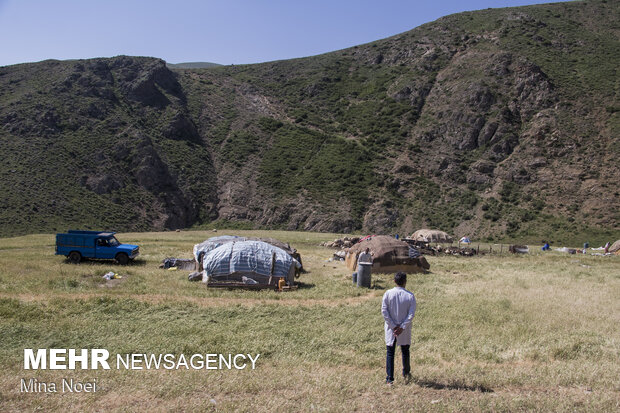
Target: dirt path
pixel 203 302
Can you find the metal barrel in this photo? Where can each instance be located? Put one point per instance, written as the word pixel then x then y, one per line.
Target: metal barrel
pixel 363 275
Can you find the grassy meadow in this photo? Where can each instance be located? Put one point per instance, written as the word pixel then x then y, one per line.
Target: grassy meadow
pixel 538 332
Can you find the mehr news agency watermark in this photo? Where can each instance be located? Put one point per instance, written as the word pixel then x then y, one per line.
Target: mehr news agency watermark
pixel 98 359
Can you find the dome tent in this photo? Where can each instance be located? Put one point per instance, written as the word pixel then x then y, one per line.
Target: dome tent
pixel 615 247
pixel 388 255
pixel 431 235
pixel 214 242
pixel 251 262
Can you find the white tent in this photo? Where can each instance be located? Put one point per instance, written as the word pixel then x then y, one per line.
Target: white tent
pixel 431 235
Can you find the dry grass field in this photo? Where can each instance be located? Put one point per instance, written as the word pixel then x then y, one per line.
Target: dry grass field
pixel 537 332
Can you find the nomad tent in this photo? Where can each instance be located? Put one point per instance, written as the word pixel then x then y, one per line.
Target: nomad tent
pixel 248 262
pixel 431 235
pixel 212 243
pixel 388 255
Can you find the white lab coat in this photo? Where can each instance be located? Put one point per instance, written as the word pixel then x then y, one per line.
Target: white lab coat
pixel 398 309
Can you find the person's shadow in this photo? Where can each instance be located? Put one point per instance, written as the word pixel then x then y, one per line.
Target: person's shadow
pixel 431 384
pixel 304 286
pixel 378 284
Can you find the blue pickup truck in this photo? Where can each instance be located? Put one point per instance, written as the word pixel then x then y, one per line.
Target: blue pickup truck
pixel 77 245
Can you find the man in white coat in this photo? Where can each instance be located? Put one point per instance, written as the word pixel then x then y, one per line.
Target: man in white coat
pixel 398 308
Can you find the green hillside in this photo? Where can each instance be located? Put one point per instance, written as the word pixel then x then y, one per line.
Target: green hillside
pixel 496 124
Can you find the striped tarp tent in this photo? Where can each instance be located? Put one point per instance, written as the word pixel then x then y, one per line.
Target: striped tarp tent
pixel 214 242
pixel 242 260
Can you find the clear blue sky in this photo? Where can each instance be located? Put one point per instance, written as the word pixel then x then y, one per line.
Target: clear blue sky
pixel 219 31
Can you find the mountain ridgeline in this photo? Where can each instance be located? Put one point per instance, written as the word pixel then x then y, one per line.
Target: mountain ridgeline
pixel 496 124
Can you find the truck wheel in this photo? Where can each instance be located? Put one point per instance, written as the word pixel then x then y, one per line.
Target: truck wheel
pixel 74 257
pixel 122 258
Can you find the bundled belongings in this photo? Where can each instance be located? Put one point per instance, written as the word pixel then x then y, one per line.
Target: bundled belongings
pixel 346 242
pixel 339 255
pixel 465 252
pixel 252 264
pixel 431 235
pixel 180 263
pixel 422 247
pixel 605 248
pixel 608 249
pixel 388 255
pixel 568 250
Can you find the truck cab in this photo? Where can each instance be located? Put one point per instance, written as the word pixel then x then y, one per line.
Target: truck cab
pixel 77 245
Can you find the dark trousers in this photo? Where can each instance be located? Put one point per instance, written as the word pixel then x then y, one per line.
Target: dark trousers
pixel 389 361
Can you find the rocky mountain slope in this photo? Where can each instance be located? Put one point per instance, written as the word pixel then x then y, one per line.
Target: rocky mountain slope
pixel 192 65
pixel 496 124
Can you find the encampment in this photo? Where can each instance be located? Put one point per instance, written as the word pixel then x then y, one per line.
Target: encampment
pixel 250 263
pixel 431 235
pixel 388 255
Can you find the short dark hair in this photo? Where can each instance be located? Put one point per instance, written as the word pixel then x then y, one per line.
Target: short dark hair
pixel 400 278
